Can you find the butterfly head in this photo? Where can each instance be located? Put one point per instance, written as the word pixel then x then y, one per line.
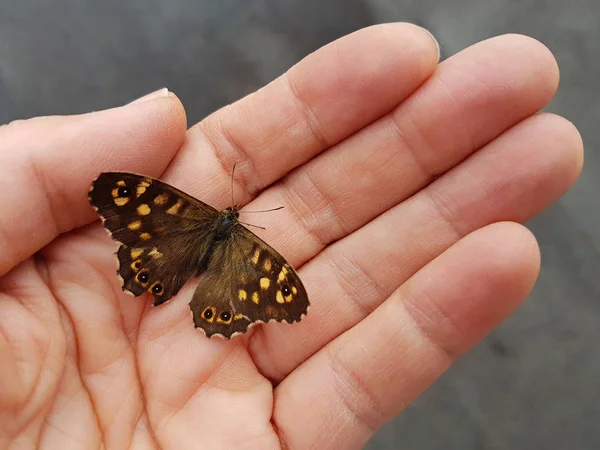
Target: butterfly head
pixel 232 213
pixel 227 220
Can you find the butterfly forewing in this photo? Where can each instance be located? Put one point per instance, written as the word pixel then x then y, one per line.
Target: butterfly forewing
pixel 164 231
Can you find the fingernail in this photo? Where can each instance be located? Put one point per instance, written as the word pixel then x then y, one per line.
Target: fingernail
pixel 439 51
pixel 156 94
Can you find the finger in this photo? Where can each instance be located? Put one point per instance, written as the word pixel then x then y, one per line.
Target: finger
pixel 326 97
pixel 513 178
pixel 48 164
pixel 471 99
pixel 369 374
pixel 342 189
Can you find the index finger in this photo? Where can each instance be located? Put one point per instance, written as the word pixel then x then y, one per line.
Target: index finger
pixel 326 97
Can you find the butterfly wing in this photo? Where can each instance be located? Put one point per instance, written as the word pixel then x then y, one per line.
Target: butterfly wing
pixel 165 233
pixel 246 281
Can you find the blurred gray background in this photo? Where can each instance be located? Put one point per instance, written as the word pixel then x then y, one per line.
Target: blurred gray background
pixel 535 382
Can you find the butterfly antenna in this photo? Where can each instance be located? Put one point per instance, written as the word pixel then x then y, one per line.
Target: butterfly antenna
pixel 251 225
pixel 264 210
pixel 232 172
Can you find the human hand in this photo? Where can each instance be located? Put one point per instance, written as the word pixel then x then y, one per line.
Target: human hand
pixel 404 184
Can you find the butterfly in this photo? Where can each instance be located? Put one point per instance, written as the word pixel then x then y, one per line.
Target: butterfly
pixel 168 236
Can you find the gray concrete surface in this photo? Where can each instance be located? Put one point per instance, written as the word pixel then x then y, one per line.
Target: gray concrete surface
pixel 535 382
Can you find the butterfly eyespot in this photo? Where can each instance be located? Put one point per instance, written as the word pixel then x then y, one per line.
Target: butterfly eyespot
pixel 157 288
pixel 225 317
pixel 123 192
pixel 142 277
pixel 209 314
pixel 285 290
pixel 136 265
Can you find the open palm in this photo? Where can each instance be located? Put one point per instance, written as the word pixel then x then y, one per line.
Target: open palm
pixel 403 183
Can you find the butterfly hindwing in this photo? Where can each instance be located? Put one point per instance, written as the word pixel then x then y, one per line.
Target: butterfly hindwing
pixel 162 230
pixel 247 281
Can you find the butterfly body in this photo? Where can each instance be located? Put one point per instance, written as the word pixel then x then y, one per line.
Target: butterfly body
pixel 168 236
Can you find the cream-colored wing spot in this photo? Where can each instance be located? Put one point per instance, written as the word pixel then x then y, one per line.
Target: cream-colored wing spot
pixel 279 297
pixel 282 274
pixel 135 225
pixel 136 253
pixel 145 236
pixel 176 207
pixel 267 265
pixel 255 256
pixel 121 201
pixel 265 283
pixel 143 209
pixel 155 253
pixel 242 295
pixel 256 297
pixel 161 199
pixel 141 188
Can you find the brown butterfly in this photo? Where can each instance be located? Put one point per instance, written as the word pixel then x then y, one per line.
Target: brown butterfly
pixel 168 236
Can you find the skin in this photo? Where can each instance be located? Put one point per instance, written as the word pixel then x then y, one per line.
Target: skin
pixel 404 184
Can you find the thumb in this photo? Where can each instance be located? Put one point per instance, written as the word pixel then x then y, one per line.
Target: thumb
pixel 48 163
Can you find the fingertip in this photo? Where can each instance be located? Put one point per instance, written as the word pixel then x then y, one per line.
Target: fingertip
pixel 568 143
pixel 529 55
pixel 508 264
pixel 515 255
pixel 165 115
pixel 543 61
pixel 162 92
pixel 436 42
pixel 551 148
pixel 394 41
pixel 403 33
